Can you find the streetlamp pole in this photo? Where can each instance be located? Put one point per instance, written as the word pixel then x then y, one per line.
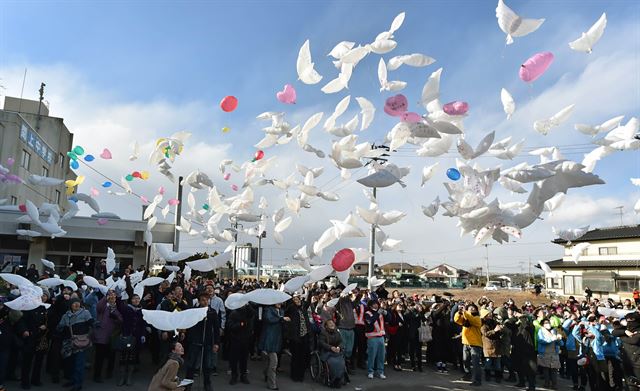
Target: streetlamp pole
pixel 486 247
pixel 178 222
pixel 372 248
pixel 263 234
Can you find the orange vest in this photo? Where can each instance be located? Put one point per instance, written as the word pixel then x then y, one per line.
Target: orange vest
pixel 378 328
pixel 359 315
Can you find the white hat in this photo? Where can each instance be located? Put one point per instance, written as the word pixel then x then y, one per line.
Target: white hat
pixel 374 282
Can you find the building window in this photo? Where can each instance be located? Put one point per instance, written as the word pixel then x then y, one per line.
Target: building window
pixel 572 285
pixel 61 162
pixel 57 199
pixel 626 285
pixel 14 200
pixel 608 250
pixel 554 283
pixel 26 159
pixel 45 171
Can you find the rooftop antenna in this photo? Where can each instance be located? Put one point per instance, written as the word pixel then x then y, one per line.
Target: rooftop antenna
pixel 620 208
pixel 41 91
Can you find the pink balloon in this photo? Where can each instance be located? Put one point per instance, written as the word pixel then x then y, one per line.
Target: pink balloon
pixel 227 176
pixel 22 208
pixel 411 117
pixel 535 66
pixel 106 154
pixel 234 187
pixel 94 192
pixel 456 108
pixel 229 103
pixel 396 105
pixel 173 202
pixel 343 260
pixel 288 95
pixel 102 221
pixel 161 190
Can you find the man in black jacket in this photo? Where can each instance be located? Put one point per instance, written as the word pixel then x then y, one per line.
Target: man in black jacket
pixel 31 328
pixel 238 329
pixel 630 351
pixel 298 332
pixel 203 341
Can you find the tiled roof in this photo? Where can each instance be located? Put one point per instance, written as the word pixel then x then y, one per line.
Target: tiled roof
pixel 560 264
pixel 622 232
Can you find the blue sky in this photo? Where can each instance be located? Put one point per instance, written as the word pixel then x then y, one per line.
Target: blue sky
pixel 172 62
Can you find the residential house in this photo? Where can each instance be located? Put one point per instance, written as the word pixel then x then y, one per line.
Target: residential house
pixel 447 274
pixel 610 266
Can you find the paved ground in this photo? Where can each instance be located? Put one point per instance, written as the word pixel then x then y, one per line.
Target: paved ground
pixel 396 381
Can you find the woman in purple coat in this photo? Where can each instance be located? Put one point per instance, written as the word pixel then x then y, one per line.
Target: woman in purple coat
pixel 108 323
pixel 132 337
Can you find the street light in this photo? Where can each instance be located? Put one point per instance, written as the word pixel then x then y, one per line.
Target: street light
pixel 259 260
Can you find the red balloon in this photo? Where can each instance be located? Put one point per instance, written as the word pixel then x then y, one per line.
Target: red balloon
pixel 343 260
pixel 259 155
pixel 229 103
pixel 136 174
pixel 22 207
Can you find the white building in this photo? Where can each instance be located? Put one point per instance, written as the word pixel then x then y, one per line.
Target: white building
pixel 610 266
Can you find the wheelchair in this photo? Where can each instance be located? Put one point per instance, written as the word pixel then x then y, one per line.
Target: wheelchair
pixel 320 370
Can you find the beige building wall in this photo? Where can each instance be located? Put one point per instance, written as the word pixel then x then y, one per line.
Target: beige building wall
pixel 46 140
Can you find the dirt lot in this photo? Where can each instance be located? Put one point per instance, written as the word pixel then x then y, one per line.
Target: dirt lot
pixel 499 296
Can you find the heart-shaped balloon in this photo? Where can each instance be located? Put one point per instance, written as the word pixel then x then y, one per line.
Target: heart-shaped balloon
pixel 411 117
pixel 102 221
pixel 287 95
pixel 456 108
pixel 106 154
pixel 396 105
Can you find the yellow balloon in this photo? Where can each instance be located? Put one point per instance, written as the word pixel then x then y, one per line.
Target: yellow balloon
pixel 144 175
pixel 80 180
pixel 70 183
pixel 226 129
pixel 69 190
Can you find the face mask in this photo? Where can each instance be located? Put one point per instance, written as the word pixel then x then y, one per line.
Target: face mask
pixel 623 323
pixel 547 326
pixel 15 292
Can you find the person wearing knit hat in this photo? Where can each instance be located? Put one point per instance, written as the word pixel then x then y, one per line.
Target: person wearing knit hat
pixel 491 335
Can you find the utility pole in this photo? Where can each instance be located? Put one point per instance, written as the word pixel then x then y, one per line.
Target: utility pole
pixel 235 249
pixel 620 208
pixel 486 246
pixel 372 248
pixel 372 243
pixel 529 268
pixel 178 219
pixel 262 235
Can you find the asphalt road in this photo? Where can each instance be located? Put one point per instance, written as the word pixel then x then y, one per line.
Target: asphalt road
pixel 396 381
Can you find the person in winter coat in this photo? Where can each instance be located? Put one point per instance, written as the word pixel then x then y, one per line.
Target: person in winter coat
pixel 108 324
pixel 375 333
pixel 6 333
pixel 55 313
pixel 298 334
pixel 441 332
pixel 238 332
pixel 491 335
pixel 393 323
pixel 415 317
pixel 166 379
pixel 571 328
pixel 524 357
pixel 346 323
pixel 549 342
pixel 629 333
pixel 203 340
pixel 330 343
pixel 75 326
pixel 471 342
pixel 32 329
pixel 270 342
pixel 132 337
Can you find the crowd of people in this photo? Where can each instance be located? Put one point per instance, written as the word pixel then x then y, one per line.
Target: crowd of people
pixel 594 344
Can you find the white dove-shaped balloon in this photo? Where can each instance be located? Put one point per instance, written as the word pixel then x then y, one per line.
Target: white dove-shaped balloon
pixel 513 24
pixel 587 40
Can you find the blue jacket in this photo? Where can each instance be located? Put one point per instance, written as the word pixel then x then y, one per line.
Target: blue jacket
pixel 597 343
pixel 573 334
pixel 544 340
pixel 611 347
pixel 271 335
